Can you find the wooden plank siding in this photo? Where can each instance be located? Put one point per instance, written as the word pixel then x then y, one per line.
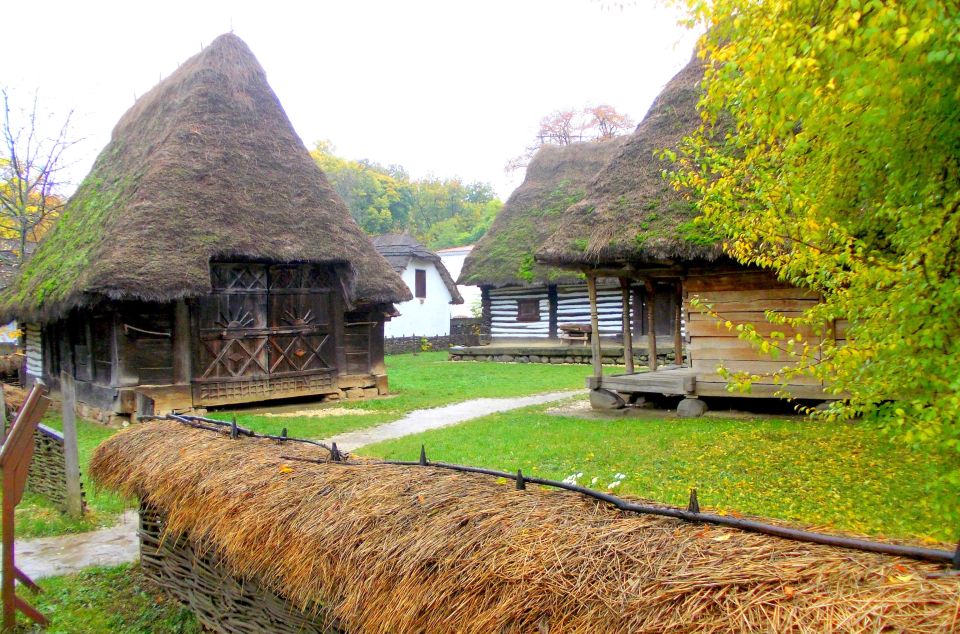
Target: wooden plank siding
pixel 743 299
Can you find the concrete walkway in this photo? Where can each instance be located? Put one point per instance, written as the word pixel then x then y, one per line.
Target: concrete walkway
pixel 65 554
pixel 423 419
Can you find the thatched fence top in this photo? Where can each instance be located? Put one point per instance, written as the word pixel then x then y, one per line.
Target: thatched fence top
pixel 388 548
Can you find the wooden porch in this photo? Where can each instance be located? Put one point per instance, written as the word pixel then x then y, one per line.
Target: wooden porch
pixel 672 380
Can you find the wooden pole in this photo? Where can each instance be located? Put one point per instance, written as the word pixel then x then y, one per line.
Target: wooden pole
pixel 8 590
pixel 594 327
pixel 71 456
pixel 182 352
pixel 677 334
pixel 627 329
pixel 651 325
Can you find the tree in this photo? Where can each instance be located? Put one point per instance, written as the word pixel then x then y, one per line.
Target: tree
pixel 837 165
pixel 30 181
pixel 607 121
pixel 563 127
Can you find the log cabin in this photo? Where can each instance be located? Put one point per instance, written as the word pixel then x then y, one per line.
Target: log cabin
pixel 524 301
pixel 205 260
pixel 634 226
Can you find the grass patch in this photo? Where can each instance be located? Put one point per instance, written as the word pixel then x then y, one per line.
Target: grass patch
pixel 37 517
pixel 845 476
pixel 107 600
pixel 426 380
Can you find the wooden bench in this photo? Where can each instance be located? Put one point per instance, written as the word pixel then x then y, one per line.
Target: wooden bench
pixel 571 333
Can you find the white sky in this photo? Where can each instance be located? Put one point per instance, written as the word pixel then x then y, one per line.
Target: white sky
pixel 451 88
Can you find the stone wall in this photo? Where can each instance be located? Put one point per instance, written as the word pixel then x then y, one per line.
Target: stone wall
pixel 48 475
pixel 222 603
pixel 556 355
pixel 465 331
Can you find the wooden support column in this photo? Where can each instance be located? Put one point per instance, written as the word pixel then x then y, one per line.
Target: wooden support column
pixel 651 324
pixel 677 333
pixel 627 329
pixel 71 457
pixel 486 312
pixel 595 327
pixel 182 351
pixel 553 301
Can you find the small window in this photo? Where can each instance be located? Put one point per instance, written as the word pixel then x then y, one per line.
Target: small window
pixel 421 283
pixel 528 310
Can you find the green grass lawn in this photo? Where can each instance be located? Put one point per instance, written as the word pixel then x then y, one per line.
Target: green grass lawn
pixel 37 517
pixel 416 381
pixel 106 600
pixel 846 476
pixel 421 381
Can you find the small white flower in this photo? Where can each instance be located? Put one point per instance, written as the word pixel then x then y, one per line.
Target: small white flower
pixel 620 476
pixel 613 484
pixel 594 481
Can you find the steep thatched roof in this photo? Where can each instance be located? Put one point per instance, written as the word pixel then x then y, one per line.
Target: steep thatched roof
pixel 388 548
pixel 556 179
pixel 204 166
pixel 630 212
pixel 400 248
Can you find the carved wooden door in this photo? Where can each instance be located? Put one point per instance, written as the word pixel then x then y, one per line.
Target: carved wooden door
pixel 264 332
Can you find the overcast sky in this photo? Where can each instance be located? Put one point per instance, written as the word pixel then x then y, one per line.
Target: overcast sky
pixel 450 88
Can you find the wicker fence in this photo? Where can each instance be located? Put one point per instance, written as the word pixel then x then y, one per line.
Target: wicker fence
pixel 48 473
pixel 221 602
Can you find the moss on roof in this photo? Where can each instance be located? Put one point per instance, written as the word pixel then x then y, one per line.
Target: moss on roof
pixel 555 180
pixel 631 213
pixel 204 166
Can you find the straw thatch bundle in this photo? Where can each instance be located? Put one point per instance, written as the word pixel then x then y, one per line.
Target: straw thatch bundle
pixel 631 213
pixel 417 549
pixel 555 179
pixel 204 166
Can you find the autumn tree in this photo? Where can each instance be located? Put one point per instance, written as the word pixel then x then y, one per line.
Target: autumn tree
pixel 563 127
pixel 839 169
pixel 30 174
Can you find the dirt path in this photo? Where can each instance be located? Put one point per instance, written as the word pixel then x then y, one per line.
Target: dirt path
pixel 423 419
pixel 65 554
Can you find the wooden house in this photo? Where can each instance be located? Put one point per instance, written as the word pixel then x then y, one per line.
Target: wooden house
pixel 205 260
pixel 427 315
pixel 525 301
pixel 634 226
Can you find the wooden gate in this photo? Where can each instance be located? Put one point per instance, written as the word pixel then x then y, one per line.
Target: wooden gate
pixel 265 332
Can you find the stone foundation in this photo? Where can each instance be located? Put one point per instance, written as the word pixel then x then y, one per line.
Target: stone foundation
pixel 555 355
pixel 404 345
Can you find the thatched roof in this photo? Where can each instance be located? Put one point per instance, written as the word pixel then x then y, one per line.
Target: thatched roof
pixel 631 213
pixel 400 248
pixel 556 178
pixel 389 548
pixel 204 166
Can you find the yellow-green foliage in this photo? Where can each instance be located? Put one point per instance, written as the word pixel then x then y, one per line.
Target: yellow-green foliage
pixel 843 176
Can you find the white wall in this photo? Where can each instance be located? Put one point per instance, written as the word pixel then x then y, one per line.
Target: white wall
pixel 453 259
pixel 428 317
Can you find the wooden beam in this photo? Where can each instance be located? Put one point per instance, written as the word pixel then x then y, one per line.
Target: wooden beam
pixel 627 329
pixel 71 457
pixel 182 351
pixel 595 327
pixel 651 324
pixel 677 318
pixel 553 301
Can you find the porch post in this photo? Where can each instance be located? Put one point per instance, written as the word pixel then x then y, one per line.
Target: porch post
pixel 651 324
pixel 594 327
pixel 182 373
pixel 678 317
pixel 627 330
